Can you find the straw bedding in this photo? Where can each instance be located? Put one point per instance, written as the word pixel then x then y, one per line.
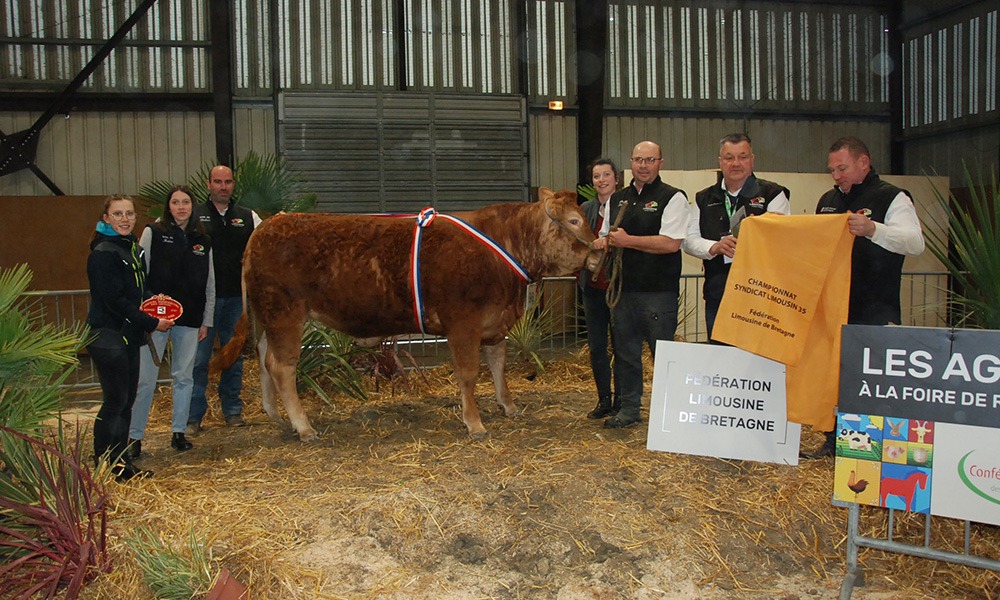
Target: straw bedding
pixel 395 501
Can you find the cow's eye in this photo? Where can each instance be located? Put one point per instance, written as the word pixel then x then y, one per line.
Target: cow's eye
pixel 574 222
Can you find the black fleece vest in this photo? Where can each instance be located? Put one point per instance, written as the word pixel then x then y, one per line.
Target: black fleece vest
pixel 875 272
pixel 229 233
pixel 178 267
pixel 642 271
pixel 755 196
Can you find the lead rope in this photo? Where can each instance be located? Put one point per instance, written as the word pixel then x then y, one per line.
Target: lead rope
pixel 614 291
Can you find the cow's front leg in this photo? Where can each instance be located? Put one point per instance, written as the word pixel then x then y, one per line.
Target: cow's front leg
pixel 465 356
pixel 496 358
pixel 284 379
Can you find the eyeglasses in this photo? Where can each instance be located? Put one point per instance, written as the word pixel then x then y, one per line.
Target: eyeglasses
pixel 119 215
pixel 639 160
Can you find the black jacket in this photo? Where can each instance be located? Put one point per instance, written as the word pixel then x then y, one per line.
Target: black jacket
pixel 116 269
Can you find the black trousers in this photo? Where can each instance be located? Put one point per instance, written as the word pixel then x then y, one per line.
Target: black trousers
pixel 118 372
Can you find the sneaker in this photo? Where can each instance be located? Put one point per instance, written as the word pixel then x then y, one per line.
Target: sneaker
pixel 235 421
pixel 192 429
pixel 622 420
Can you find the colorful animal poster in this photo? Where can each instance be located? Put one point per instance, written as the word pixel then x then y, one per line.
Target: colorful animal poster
pixel 919 421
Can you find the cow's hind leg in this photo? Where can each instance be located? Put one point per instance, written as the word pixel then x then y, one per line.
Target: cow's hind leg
pixel 465 356
pixel 496 358
pixel 283 352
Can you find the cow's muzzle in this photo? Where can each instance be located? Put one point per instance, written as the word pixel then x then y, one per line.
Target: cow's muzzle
pixel 594 259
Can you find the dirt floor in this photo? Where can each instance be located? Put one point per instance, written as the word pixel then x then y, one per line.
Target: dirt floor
pixel 395 501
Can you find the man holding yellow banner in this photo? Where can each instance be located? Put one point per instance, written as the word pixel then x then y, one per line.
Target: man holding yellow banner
pixel 886 229
pixel 790 306
pixel 718 211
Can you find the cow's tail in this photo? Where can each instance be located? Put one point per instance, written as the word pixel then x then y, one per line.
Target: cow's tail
pixel 228 354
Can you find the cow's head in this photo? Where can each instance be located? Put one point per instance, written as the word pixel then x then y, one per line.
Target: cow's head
pixel 571 239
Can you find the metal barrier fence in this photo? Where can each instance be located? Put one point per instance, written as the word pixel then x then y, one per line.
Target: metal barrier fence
pixel 923 297
pixel 855 576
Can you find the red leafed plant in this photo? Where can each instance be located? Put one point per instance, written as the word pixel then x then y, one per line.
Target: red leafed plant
pixel 53 519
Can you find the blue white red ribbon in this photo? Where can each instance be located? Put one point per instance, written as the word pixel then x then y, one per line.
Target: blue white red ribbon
pixel 424 219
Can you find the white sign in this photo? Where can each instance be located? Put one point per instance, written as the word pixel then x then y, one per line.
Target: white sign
pixel 966 473
pixel 720 401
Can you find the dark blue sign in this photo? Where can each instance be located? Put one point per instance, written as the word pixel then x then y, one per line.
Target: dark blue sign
pixel 943 375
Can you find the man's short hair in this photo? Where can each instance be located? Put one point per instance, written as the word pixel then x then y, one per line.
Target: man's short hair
pixel 853 144
pixel 735 138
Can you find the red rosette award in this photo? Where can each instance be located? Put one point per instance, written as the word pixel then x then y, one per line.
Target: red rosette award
pixel 162 306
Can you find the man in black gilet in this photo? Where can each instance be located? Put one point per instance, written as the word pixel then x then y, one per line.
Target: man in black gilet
pixel 230 227
pixel 646 245
pixel 710 229
pixel 886 229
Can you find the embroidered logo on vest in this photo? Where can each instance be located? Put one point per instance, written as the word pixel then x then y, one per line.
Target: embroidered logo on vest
pixel 650 206
pixel 198 249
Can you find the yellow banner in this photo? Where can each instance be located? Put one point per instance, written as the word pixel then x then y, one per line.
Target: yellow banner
pixel 786 298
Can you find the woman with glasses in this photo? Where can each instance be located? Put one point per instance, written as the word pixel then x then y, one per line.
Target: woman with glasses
pixel 179 255
pixel 117 273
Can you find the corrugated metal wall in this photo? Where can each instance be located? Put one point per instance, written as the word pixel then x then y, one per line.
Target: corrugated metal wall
pixel 101 153
pixel 105 153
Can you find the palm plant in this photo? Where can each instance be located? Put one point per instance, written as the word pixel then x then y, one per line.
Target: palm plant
pixel 31 353
pixel 536 326
pixel 263 184
pixel 328 358
pixel 968 245
pixel 52 512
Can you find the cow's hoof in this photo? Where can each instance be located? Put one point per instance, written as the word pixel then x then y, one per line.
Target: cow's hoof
pixel 512 410
pixel 479 435
pixel 309 435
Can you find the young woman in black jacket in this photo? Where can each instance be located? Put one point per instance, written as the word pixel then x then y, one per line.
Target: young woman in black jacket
pixel 117 274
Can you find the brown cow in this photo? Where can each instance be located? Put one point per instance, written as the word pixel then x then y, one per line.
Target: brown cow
pixel 353 274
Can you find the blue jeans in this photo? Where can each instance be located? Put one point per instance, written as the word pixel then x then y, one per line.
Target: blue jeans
pixel 184 341
pixel 598 315
pixel 227 313
pixel 639 317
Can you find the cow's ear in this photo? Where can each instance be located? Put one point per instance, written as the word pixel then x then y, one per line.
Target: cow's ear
pixel 544 194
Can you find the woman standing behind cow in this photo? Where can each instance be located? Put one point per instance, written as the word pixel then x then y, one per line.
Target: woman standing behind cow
pixel 180 266
pixel 604 174
pixel 116 270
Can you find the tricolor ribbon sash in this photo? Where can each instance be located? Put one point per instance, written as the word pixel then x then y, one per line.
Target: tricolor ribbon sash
pixel 424 219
